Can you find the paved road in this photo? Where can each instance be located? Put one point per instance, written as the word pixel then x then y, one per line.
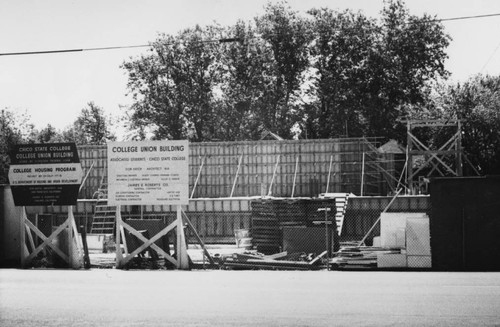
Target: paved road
pixel 109 297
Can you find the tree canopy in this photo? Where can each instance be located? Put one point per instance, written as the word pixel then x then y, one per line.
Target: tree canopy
pixel 326 74
pixel 476 103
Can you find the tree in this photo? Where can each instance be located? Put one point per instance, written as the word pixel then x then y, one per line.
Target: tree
pixel 173 86
pixel 477 103
pixel 91 127
pixel 49 134
pixel 287 35
pixel 367 71
pixel 16 129
pixel 411 56
pixel 245 85
pixel 334 73
pixel 340 52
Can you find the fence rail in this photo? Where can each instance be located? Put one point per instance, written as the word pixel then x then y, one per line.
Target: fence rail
pixel 217 219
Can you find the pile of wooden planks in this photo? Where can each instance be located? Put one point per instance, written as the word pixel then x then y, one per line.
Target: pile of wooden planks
pixel 278 261
pixel 359 257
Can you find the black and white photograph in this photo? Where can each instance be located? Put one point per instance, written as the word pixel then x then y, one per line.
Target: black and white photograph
pixel 249 163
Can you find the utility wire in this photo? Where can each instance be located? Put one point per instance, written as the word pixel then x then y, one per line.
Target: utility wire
pixel 465 17
pixel 223 40
pixel 71 50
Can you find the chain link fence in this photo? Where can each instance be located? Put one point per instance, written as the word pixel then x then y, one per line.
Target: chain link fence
pixel 335 224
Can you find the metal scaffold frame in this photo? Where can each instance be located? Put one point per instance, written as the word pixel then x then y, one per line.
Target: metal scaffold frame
pixel 443 159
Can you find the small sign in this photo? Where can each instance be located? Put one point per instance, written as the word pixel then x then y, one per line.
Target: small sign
pixel 148 173
pixel 45 174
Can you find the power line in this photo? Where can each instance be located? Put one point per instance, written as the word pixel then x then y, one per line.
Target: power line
pixel 71 50
pixel 222 40
pixel 465 17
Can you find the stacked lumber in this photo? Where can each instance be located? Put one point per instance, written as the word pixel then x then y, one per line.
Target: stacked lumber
pixel 278 261
pixel 271 215
pixel 359 257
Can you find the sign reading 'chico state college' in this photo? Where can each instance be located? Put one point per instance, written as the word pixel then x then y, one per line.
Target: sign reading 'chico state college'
pixel 45 174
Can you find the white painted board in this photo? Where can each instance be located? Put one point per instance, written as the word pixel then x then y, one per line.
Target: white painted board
pixel 418 236
pixel 148 173
pixel 393 227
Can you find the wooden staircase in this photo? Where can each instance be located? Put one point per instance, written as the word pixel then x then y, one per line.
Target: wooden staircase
pixel 104 218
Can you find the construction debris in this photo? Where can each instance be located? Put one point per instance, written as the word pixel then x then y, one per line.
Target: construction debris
pixel 359 257
pixel 253 260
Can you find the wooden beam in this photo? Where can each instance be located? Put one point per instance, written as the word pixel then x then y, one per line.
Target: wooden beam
pixel 274 175
pixel 148 243
pixel 236 177
pixel 197 177
pixel 198 238
pixel 47 241
pixel 295 175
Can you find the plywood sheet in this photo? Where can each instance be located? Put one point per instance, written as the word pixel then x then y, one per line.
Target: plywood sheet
pixel 418 240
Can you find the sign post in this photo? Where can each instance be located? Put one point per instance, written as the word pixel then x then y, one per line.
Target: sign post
pixel 46 174
pixel 149 173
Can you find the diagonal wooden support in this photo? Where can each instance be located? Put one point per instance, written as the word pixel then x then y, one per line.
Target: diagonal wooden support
pixel 423 147
pixel 30 237
pixel 198 238
pixel 148 243
pixel 47 241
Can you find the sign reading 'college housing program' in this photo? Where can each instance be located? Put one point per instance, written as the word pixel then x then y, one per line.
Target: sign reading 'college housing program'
pixel 45 174
pixel 148 172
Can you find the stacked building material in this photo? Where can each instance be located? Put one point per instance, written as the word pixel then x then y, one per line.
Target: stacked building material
pixel 269 216
pixel 360 257
pixel 278 261
pixel 266 232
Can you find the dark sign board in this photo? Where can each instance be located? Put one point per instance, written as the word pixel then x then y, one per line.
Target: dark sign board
pixel 47 153
pixel 45 174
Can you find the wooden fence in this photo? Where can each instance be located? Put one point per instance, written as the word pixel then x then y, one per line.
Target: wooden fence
pixel 279 168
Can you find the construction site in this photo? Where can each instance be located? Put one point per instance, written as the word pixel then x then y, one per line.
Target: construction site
pixel 273 204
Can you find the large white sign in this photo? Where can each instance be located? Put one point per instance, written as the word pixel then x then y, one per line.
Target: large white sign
pixel 149 172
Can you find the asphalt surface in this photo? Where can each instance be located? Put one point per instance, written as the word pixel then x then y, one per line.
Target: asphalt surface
pixel 110 297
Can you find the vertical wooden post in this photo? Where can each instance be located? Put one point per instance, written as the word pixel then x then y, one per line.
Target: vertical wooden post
pixel 295 175
pixel 197 177
pixel 409 159
pixel 363 174
pixel 458 149
pixel 86 257
pixel 119 254
pixel 182 256
pixel 274 175
pixel 236 177
pixel 71 237
pixel 22 237
pixel 329 173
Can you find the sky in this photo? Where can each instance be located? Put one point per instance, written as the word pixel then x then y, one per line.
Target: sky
pixel 54 88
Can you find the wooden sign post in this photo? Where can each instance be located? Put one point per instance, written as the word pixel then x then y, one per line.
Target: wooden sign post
pixel 47 174
pixel 149 173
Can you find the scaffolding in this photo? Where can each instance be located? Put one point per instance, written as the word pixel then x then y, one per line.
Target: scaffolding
pixel 428 159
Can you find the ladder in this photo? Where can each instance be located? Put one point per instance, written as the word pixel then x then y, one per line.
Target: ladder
pixel 104 218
